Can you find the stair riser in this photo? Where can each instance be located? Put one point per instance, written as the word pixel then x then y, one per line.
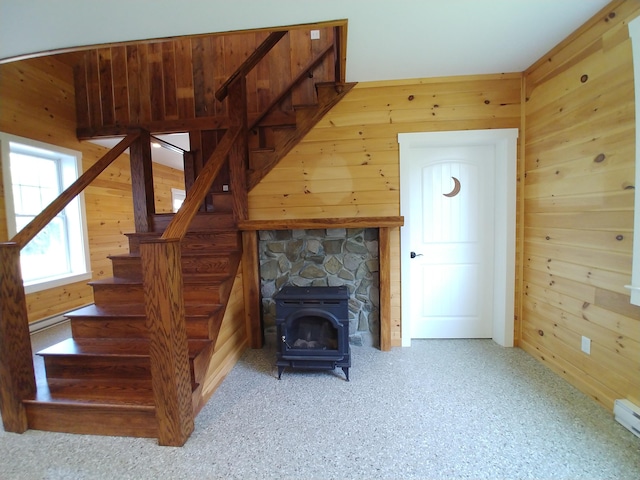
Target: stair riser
pixel 131 268
pixel 99 327
pixel 199 222
pixel 125 294
pixel 92 419
pixel 103 367
pixel 197 242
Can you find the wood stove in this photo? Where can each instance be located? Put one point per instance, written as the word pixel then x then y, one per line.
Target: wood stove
pixel 313 328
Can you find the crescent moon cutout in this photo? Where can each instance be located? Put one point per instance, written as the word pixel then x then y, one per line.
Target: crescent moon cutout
pixel 456 188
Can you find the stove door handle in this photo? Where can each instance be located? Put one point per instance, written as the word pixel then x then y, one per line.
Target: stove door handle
pixel 284 340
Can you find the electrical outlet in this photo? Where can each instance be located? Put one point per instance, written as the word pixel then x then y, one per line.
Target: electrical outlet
pixel 315 34
pixel 586 345
pixel 225 188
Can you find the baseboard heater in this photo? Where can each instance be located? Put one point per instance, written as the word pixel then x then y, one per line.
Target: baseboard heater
pixel 628 415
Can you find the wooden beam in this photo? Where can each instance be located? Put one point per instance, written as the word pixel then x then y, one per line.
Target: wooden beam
pixel 161 126
pixel 17 377
pixel 384 256
pixel 168 348
pixel 250 62
pixel 309 223
pixel 251 286
pixel 142 183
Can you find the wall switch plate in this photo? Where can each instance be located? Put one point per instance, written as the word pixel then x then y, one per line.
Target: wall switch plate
pixel 315 34
pixel 586 345
pixel 225 188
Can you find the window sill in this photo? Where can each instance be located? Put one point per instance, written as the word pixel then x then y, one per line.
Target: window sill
pixel 56 282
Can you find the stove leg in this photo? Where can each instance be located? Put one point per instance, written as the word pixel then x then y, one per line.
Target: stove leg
pixel 346 372
pixel 280 370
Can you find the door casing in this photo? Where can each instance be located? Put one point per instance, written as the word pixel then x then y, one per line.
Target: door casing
pixel 505 143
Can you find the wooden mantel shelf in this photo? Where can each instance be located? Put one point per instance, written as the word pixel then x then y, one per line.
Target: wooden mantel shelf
pixel 251 264
pixel 308 223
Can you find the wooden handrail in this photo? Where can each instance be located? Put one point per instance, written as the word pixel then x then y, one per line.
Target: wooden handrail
pixel 177 229
pixel 253 59
pixel 29 232
pixel 312 64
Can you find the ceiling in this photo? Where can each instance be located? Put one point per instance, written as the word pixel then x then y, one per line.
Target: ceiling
pixel 387 40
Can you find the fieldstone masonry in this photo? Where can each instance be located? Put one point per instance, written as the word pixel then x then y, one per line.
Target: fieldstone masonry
pixel 324 257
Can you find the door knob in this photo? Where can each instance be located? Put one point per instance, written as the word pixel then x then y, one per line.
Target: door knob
pixel 414 254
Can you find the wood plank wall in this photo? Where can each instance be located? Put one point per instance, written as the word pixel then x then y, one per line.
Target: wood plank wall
pixel 37 102
pixel 580 164
pixel 158 83
pixel 348 165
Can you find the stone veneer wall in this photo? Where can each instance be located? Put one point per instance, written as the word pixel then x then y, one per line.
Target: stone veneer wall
pixel 325 257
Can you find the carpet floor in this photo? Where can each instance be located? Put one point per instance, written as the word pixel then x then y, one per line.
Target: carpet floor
pixel 441 409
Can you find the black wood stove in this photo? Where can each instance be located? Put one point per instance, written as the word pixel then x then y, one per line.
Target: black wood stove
pixel 313 328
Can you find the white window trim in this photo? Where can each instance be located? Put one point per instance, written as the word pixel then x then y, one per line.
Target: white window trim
pixel 634 33
pixel 81 274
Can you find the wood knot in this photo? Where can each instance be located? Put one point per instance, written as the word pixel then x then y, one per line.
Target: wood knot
pixel 411 97
pixel 487 102
pixel 612 15
pixel 584 78
pixel 547 237
pixel 619 237
pixel 600 158
pixel 541 333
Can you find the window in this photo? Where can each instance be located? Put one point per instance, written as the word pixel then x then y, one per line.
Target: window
pixel 34 174
pixel 177 197
pixel 634 33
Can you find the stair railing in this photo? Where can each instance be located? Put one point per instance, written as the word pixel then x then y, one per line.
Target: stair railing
pixel 17 376
pixel 163 288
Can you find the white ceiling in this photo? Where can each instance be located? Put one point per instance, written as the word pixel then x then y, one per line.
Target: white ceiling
pixel 387 39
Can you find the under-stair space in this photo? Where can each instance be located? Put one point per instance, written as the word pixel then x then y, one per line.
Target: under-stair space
pixel 99 381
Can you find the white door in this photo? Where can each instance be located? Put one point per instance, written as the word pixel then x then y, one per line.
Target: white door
pixel 458 240
pixel 451 233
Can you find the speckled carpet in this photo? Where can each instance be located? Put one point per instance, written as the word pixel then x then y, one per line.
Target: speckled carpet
pixel 442 409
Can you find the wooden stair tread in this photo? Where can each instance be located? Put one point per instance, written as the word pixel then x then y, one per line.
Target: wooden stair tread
pixel 129 311
pixel 103 392
pixel 188 279
pixel 113 347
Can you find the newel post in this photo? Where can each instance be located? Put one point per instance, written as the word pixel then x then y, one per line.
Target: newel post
pixel 17 377
pixel 169 354
pixel 142 182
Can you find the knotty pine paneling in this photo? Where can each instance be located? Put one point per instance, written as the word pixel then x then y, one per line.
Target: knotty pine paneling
pixel 579 126
pixel 348 165
pixel 232 340
pixel 160 81
pixel 37 98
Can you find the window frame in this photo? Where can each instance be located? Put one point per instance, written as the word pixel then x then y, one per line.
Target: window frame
pixel 634 287
pixel 77 236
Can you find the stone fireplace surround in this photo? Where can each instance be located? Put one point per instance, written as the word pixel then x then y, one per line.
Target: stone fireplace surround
pixel 324 258
pixel 251 265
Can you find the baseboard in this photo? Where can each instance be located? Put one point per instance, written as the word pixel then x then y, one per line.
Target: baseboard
pixel 628 415
pixel 38 325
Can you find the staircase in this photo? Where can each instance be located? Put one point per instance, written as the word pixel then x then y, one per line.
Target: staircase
pixel 99 381
pixel 282 138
